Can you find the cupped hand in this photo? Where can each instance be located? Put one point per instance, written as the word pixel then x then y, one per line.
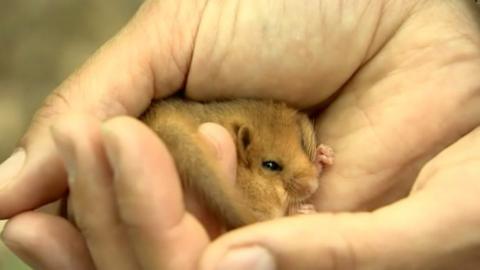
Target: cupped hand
pixel 400 87
pixel 404 126
pixel 436 227
pixel 300 52
pixel 127 201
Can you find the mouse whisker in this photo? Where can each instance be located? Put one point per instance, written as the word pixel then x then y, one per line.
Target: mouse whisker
pixel 294 190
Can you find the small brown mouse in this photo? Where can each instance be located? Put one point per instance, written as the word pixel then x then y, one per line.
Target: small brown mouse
pixel 279 160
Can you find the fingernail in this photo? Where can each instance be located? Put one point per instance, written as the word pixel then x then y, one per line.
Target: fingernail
pixel 252 258
pixel 12 166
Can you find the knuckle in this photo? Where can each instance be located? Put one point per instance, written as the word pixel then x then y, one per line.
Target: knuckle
pixel 55 104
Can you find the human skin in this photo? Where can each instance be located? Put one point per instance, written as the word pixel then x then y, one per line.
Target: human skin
pixel 400 92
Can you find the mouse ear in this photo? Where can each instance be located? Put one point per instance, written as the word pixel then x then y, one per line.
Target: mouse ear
pixel 243 140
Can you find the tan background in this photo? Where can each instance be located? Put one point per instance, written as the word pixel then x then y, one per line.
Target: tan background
pixel 41 42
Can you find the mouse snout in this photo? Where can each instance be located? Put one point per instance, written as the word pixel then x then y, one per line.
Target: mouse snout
pixel 305 187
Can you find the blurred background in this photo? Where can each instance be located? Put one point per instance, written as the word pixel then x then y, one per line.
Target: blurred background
pixel 41 43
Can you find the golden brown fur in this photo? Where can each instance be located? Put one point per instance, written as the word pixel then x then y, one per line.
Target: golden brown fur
pixel 263 131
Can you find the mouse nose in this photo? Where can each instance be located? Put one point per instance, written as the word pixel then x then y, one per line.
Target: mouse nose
pixel 305 187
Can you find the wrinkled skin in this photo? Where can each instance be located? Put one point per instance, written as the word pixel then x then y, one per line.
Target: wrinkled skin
pixel 398 88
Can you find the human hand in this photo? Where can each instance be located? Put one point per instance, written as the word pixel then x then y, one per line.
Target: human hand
pixel 387 96
pixel 436 227
pixel 127 200
pixel 154 56
pixel 414 98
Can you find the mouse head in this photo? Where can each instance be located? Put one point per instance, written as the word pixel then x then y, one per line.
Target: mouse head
pixel 276 153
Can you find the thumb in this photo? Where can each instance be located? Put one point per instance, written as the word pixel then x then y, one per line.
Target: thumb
pixel 120 79
pixel 402 236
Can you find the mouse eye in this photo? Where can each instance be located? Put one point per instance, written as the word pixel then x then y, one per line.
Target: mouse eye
pixel 271 165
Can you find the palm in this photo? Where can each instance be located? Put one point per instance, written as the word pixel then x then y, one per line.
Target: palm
pixel 384 132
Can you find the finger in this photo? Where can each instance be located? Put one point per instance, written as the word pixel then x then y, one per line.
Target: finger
pixel 435 228
pixel 145 60
pixel 223 149
pixel 149 198
pixel 79 142
pixel 221 140
pixel 47 242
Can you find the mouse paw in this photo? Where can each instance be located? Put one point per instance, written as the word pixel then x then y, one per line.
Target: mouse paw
pixel 307 209
pixel 324 155
pixel 303 209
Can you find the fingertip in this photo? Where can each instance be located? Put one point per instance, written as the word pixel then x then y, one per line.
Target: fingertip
pixel 121 124
pixel 46 242
pixel 16 237
pixel 39 177
pixel 118 129
pixel 20 232
pixel 119 134
pixel 224 147
pixel 218 136
pixel 300 242
pixel 10 234
pixel 11 167
pixel 253 257
pixel 243 248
